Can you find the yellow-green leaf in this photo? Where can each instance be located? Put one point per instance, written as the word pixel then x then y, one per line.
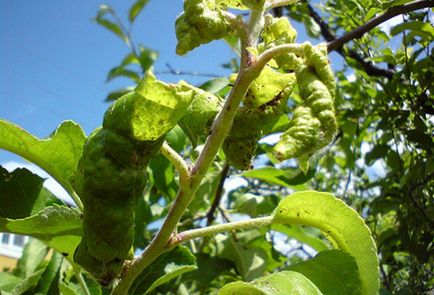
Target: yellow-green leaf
pixel 149 111
pixel 339 222
pixel 281 283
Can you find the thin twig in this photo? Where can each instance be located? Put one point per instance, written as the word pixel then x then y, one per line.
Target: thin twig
pixel 330 36
pixel 372 23
pixel 176 72
pixel 210 216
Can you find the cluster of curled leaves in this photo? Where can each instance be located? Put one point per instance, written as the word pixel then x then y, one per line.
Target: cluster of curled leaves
pixel 108 171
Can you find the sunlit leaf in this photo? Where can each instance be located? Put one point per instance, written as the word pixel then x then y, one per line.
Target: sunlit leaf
pixel 338 221
pixel 281 283
pixel 58 154
pixel 334 272
pixel 136 8
pixel 151 110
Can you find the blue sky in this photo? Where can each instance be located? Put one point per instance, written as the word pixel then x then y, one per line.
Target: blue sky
pixel 54 59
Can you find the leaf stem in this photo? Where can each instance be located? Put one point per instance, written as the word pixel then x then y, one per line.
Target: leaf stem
pixel 277 3
pixel 268 54
pixel 177 161
pixel 219 228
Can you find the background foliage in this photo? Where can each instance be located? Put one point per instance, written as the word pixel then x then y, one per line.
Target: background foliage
pixel 381 163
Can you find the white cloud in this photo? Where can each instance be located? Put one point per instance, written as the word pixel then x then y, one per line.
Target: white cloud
pixel 49 183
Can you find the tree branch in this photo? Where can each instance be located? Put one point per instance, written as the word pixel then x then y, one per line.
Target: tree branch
pixel 372 23
pixel 330 36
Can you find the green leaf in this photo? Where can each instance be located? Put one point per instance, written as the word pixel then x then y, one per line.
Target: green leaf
pixel 147 57
pixel 297 232
pixel 136 8
pixel 58 227
pixel 283 177
pixel 118 93
pixel 34 253
pixel 379 151
pixel 165 268
pixel 423 29
pixel 281 283
pixel 250 263
pixel 109 25
pixel 28 283
pixel 200 114
pixel 339 222
pixel 254 205
pixel 8 281
pixel 20 193
pixel 215 85
pixel 50 222
pixel 151 110
pixel 48 284
pixel 122 72
pixel 58 154
pixel 334 272
pixel 208 269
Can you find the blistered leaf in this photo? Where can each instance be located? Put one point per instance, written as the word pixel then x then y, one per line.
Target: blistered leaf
pixel 278 31
pixel 150 111
pixel 270 85
pixel 200 23
pixel 338 221
pixel 58 154
pixel 281 283
pixel 200 114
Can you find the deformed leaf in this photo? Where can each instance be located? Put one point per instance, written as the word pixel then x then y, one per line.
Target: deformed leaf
pixel 150 111
pixel 334 272
pixel 58 154
pixel 338 221
pixel 281 283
